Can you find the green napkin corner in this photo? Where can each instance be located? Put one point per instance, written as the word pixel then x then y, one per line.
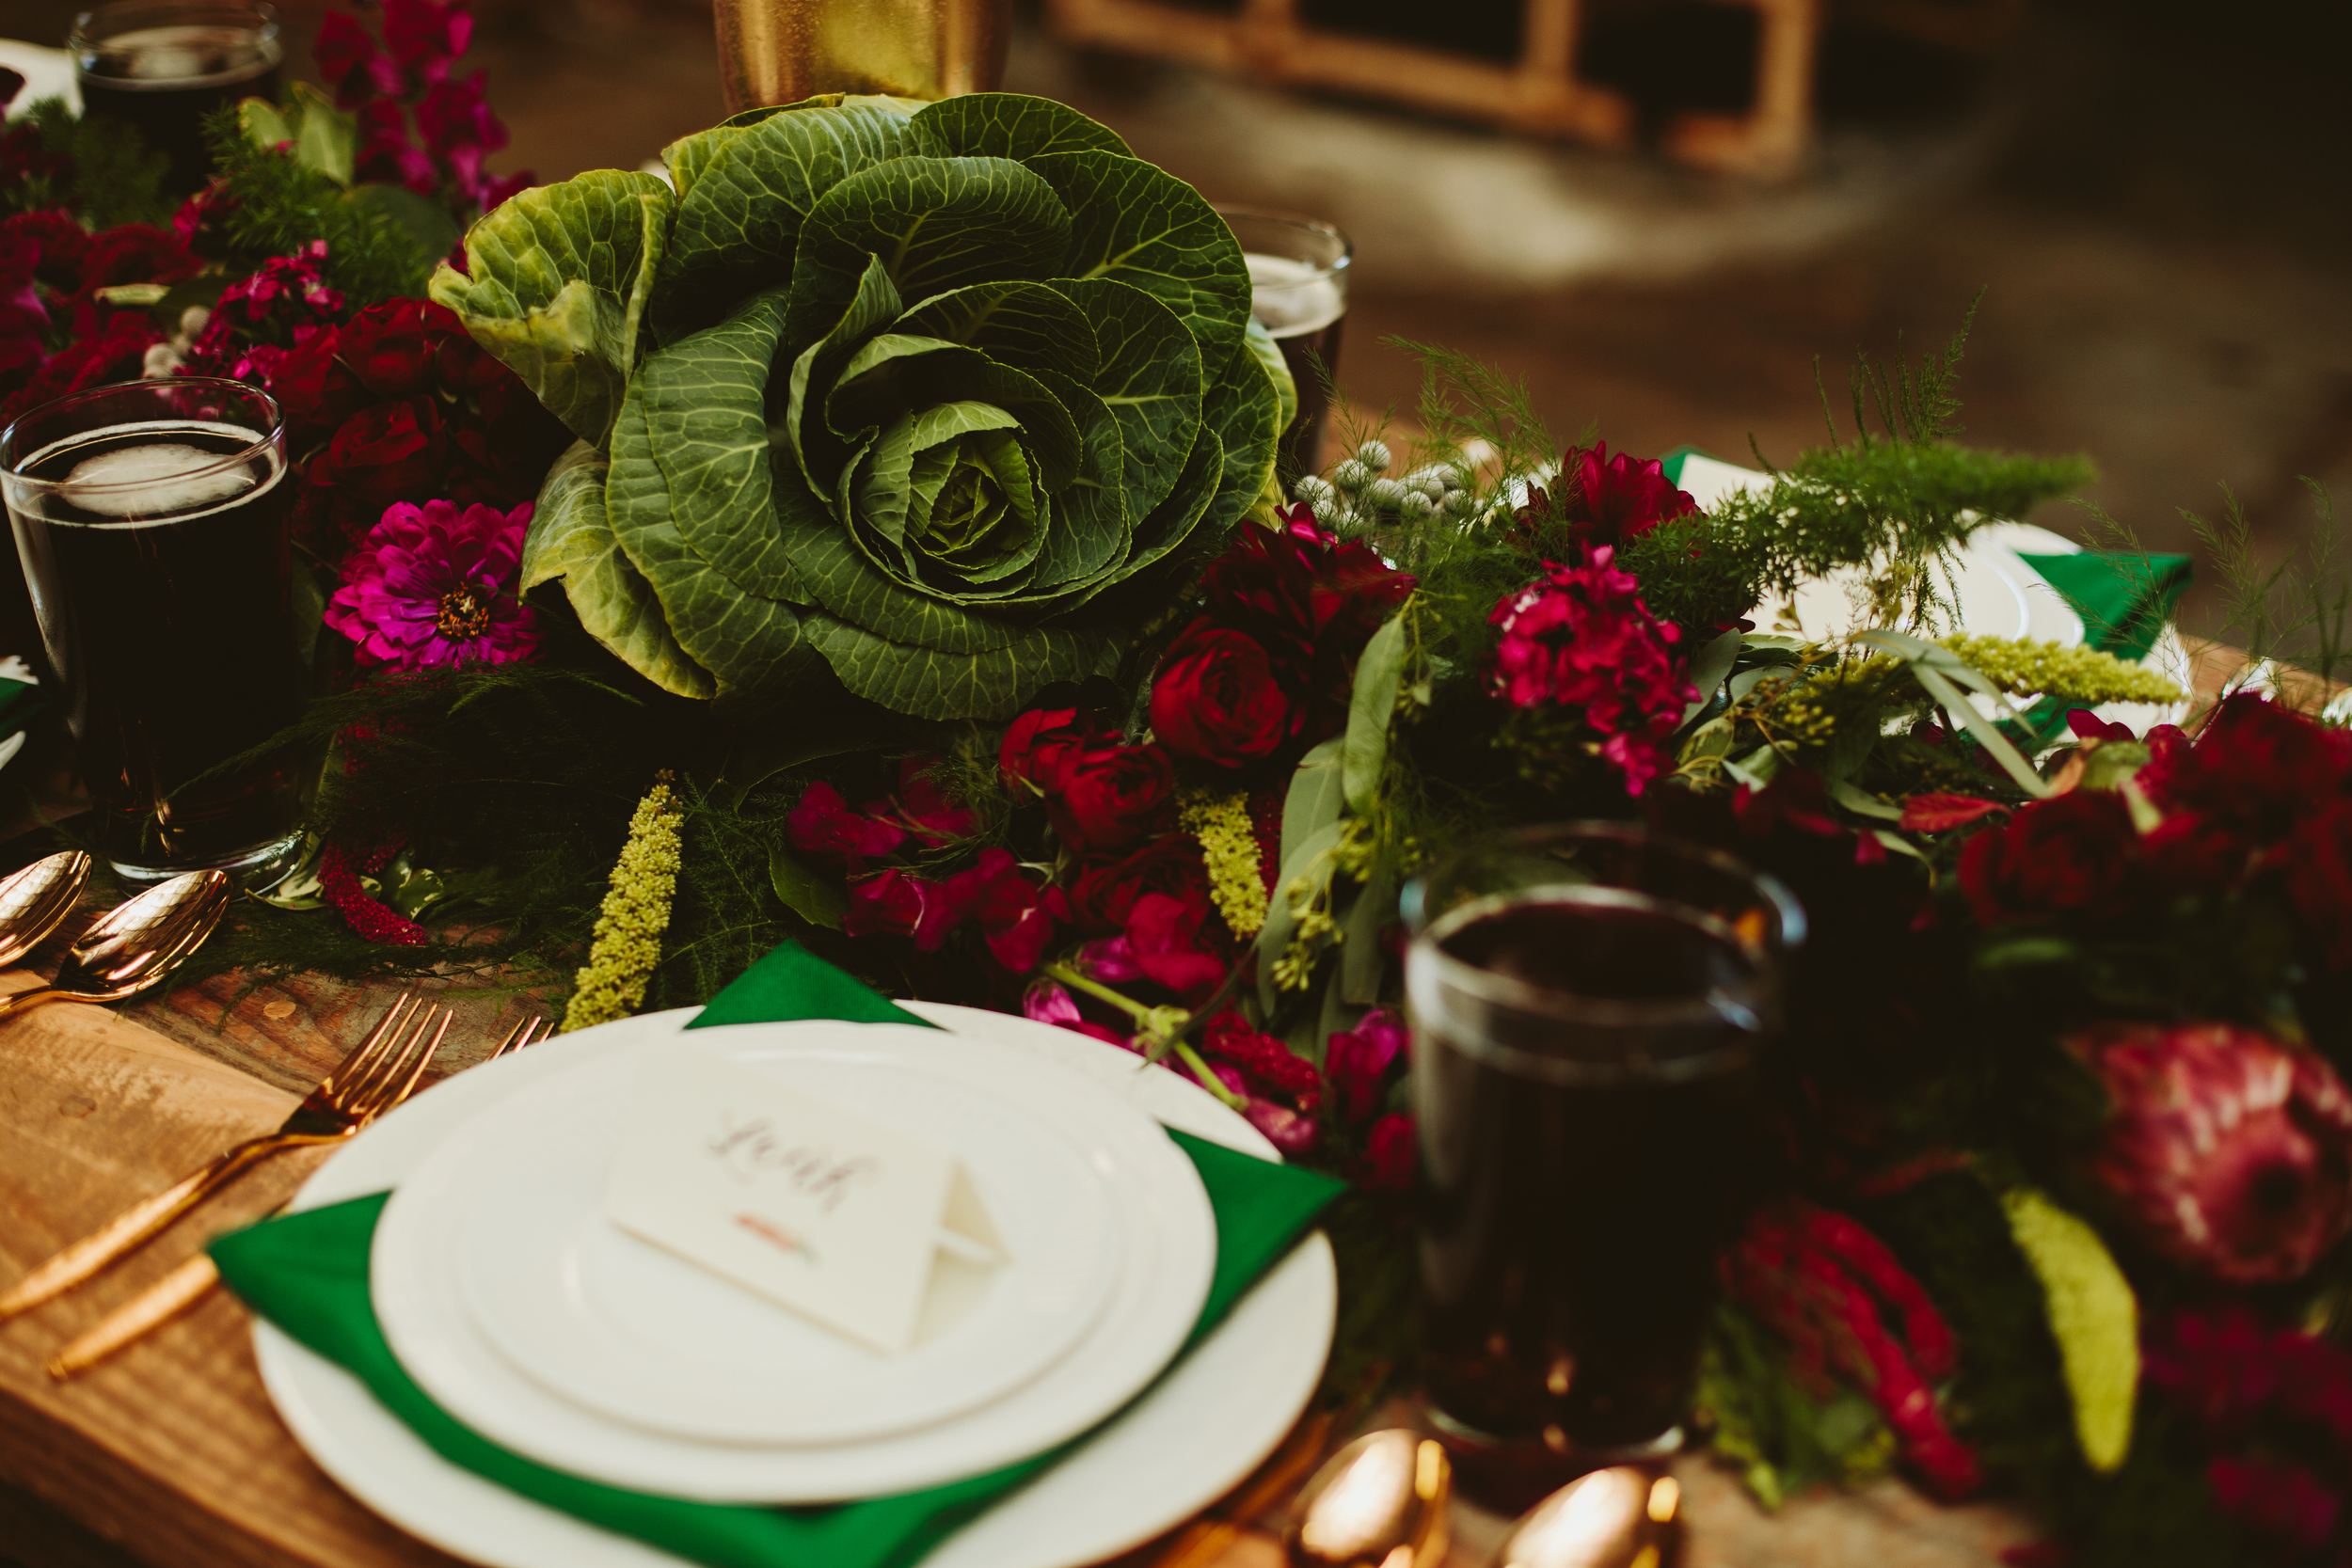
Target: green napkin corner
pixel 308 1273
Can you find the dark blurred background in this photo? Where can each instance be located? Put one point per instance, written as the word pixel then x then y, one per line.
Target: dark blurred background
pixel 2153 193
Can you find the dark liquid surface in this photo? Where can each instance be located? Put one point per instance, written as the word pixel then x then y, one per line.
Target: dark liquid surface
pixel 175 642
pixel 165 81
pixel 1569 1228
pixel 1313 356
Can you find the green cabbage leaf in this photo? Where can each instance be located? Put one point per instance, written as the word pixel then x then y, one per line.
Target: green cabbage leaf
pixel 945 398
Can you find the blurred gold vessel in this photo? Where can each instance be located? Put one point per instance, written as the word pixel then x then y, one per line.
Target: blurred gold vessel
pixel 783 51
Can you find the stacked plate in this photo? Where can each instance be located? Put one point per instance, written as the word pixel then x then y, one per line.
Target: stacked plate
pixel 525 1313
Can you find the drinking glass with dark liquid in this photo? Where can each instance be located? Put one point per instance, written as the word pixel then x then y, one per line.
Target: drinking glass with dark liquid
pixel 1298 276
pixel 152 522
pixel 1588 1002
pixel 164 65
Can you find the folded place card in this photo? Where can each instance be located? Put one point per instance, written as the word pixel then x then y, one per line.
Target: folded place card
pixel 797 1198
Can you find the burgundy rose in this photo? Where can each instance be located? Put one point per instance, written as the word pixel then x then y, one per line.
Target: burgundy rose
pixel 2257 764
pixel 1164 943
pixel 392 348
pixel 924 807
pixel 2319 878
pixel 1605 500
pixel 1035 747
pixel 1215 700
pixel 2190 854
pixel 386 453
pixel 1107 797
pixel 2228 1153
pixel 1105 891
pixel 899 903
pixel 2077 854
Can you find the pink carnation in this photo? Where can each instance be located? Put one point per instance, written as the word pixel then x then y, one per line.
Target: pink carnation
pixel 431 586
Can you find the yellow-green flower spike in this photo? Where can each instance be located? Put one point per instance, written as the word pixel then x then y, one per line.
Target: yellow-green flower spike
pixel 2093 1316
pixel 2024 668
pixel 1221 823
pixel 636 911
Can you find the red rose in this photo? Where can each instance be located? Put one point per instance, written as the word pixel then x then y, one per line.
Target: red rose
pixel 1163 942
pixel 2191 854
pixel 899 903
pixel 1034 745
pixel 1110 795
pixel 1104 893
pixel 391 347
pixel 317 391
pixel 386 453
pixel 2077 854
pixel 1215 700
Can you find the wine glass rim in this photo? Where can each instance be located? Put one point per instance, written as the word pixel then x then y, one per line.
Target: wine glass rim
pixel 262 10
pixel 10 457
pixel 1324 270
pixel 1460 975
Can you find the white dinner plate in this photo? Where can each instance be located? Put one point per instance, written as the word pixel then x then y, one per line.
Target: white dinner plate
pixel 1169 1250
pixel 513 1203
pixel 1189 1438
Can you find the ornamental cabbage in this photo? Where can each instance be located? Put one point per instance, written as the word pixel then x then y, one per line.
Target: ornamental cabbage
pixel 944 398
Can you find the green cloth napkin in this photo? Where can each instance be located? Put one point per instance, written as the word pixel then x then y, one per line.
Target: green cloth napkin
pixel 308 1273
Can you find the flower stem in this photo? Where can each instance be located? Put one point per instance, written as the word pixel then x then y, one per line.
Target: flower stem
pixel 1208 1079
pixel 1093 987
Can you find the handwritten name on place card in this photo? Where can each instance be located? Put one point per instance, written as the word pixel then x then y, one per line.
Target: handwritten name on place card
pixel 788 1194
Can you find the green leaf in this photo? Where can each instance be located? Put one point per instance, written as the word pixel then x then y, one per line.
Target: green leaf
pixel 762 756
pixel 1314 799
pixel 556 287
pixel 571 540
pixel 1028 326
pixel 1244 407
pixel 1006 125
pixel 936 224
pixel 1141 226
pixel 1280 919
pixel 1364 748
pixel 1362 964
pixel 426 222
pixel 814 895
pixel 934 685
pixel 1263 348
pixel 1150 380
pixel 746 189
pixel 325 139
pixel 1854 800
pixel 1708 668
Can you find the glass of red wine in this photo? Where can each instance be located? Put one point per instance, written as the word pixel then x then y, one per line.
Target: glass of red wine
pixel 1298 276
pixel 1588 1002
pixel 152 522
pixel 162 66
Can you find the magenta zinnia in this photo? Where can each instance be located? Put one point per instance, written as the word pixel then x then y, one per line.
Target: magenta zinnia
pixel 431 586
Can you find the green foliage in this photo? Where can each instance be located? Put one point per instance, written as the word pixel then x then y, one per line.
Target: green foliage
pixel 1781 1438
pixel 2297 609
pixel 115 177
pixel 939 399
pixel 279 203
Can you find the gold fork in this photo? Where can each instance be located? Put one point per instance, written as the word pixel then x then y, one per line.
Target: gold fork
pixel 189 1284
pixel 379 1073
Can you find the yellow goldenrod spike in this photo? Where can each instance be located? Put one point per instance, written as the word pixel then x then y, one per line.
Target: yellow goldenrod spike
pixel 2093 1316
pixel 636 911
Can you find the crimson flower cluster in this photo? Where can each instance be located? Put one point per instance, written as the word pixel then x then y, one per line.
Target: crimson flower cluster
pixel 258 320
pixel 411 74
pixel 57 335
pixel 398 404
pixel 2254 1393
pixel 1266 668
pixel 2261 797
pixel 1581 638
pixel 1015 912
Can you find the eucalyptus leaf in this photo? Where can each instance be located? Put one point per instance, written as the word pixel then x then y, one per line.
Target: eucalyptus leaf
pixel 1315 797
pixel 815 896
pixel 1371 706
pixel 1854 800
pixel 1709 667
pixel 1362 963
pixel 1308 860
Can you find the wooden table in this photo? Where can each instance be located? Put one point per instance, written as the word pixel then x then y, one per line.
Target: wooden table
pixel 171 1456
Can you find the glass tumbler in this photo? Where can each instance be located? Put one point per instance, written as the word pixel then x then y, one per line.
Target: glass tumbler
pixel 1298 277
pixel 163 65
pixel 152 522
pixel 1588 1001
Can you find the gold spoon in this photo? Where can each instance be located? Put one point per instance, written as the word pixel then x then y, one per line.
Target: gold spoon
pixel 1380 1502
pixel 136 943
pixel 35 900
pixel 1621 1518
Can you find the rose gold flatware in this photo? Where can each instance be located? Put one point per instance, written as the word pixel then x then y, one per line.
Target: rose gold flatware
pixel 193 1280
pixel 134 945
pixel 35 900
pixel 380 1073
pixel 1383 1501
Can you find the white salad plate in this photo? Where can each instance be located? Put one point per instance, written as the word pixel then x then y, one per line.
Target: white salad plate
pixel 513 1205
pixel 1190 1437
pixel 1168 1249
